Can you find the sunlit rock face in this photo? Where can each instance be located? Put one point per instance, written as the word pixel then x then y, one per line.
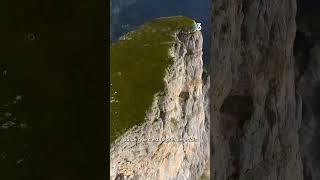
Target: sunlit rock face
pixel 177 113
pixel 255 109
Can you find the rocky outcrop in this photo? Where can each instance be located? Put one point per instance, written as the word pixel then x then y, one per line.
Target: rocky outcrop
pixel 151 150
pixel 255 109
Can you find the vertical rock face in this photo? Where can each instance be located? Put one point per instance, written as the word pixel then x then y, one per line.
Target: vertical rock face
pixel 177 112
pixel 308 81
pixel 307 57
pixel 255 110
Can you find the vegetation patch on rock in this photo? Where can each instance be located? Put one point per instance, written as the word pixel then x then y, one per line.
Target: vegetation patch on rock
pixel 138 65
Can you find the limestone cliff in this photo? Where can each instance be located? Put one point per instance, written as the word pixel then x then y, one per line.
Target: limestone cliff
pixel 177 112
pixel 255 109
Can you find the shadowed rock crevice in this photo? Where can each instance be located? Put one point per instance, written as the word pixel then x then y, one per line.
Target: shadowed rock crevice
pixel 183 98
pixel 307 70
pixel 235 150
pixel 234 113
pixel 235 110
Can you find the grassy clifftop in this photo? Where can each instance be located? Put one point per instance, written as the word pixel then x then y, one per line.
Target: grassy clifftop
pixel 138 63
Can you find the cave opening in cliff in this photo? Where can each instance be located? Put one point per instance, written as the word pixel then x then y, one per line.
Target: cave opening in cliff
pixel 235 110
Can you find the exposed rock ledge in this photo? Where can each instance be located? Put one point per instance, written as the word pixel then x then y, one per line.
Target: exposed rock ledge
pixel 177 112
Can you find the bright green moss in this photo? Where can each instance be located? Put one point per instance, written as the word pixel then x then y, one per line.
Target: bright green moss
pixel 138 66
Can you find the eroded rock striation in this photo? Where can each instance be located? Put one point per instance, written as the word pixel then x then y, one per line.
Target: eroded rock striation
pixel 255 109
pixel 176 112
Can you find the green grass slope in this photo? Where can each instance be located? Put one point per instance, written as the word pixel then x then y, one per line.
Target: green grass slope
pixel 138 64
